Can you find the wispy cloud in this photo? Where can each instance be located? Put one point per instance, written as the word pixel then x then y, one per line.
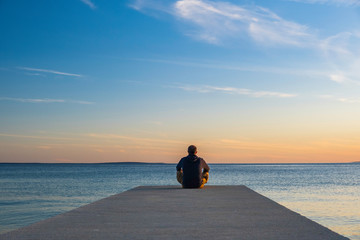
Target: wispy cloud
pixel 89 3
pixel 158 123
pixel 342 52
pixel 33 100
pixel 218 23
pixel 50 71
pixel 136 139
pixel 250 144
pixel 340 99
pixel 240 67
pixel 349 100
pixel 215 22
pixel 45 147
pixel 333 2
pixel 149 6
pixel 35 74
pixel 34 136
pixel 80 102
pixel 339 77
pixel 43 100
pixel 339 72
pixel 79 138
pixel 239 91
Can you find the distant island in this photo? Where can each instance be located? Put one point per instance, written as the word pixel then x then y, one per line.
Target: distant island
pixel 162 163
pixel 132 163
pixel 135 163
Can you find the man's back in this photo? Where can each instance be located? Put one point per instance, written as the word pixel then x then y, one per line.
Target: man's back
pixel 192 167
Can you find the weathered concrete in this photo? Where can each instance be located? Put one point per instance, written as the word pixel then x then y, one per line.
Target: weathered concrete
pixel 169 212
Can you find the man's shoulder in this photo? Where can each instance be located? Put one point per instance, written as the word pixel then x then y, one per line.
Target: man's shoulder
pixel 202 161
pixel 197 159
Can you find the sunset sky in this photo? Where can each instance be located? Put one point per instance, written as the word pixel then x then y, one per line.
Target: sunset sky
pixel 246 81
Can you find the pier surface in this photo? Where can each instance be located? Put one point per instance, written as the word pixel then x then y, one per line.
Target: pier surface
pixel 170 212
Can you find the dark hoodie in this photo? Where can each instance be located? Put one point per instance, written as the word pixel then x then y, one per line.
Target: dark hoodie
pixel 192 167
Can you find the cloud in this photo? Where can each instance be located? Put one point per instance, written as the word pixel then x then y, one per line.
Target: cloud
pixel 223 22
pixel 340 99
pixel 338 44
pixel 337 71
pixel 332 2
pixel 45 147
pixel 158 123
pixel 80 102
pixel 342 52
pixel 33 100
pixel 35 74
pixel 259 145
pixel 42 100
pixel 100 150
pixel 149 6
pixel 50 71
pixel 216 22
pixel 34 137
pixel 238 91
pixel 349 100
pixel 234 67
pixel 135 139
pixel 339 78
pixel 89 3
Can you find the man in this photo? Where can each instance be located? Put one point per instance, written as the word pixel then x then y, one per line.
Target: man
pixel 192 171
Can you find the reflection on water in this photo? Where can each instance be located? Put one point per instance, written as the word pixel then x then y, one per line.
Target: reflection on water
pixel 340 213
pixel 326 193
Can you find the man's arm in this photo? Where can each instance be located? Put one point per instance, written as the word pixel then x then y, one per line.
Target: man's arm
pixel 205 166
pixel 179 165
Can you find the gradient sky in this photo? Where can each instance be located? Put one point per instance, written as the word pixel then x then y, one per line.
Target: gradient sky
pixel 245 81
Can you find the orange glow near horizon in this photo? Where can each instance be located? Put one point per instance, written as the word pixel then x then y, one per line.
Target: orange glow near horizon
pixel 93 148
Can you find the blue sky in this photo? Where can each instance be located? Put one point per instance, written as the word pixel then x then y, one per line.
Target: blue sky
pixel 263 81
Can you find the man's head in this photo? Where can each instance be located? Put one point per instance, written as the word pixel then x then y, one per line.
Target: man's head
pixel 192 150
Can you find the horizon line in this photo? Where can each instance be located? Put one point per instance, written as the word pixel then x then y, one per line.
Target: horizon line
pixel 217 163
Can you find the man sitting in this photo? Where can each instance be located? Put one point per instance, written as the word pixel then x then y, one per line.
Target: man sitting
pixel 192 171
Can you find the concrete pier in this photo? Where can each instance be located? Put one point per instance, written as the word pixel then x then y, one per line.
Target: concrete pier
pixel 170 212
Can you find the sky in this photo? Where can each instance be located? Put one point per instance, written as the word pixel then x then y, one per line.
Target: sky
pixel 246 81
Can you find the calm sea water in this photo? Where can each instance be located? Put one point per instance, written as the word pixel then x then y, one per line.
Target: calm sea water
pixel 326 193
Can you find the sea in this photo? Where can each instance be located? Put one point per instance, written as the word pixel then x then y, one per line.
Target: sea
pixel 326 193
